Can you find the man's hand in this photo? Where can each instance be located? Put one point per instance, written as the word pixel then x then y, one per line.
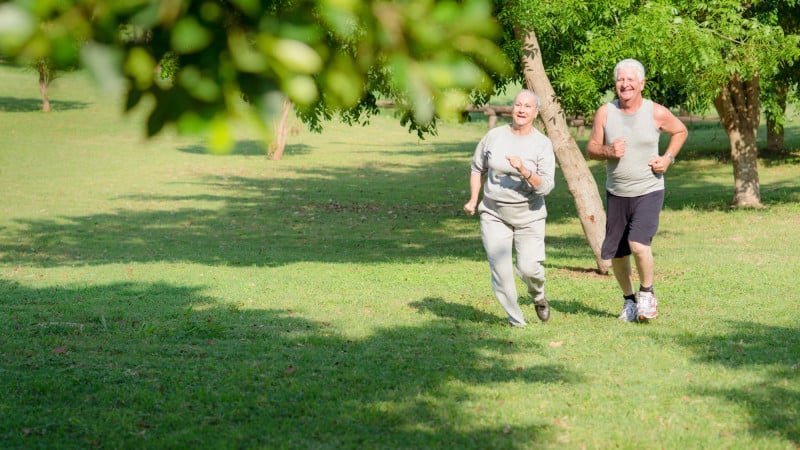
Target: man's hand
pixel 616 150
pixel 659 164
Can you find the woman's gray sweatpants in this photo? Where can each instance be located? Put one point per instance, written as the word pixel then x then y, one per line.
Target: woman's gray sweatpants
pixel 508 227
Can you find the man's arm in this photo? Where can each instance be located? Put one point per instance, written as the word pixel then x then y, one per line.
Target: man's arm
pixel 668 123
pixel 596 148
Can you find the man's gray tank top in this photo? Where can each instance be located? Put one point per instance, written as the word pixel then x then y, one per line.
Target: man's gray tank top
pixel 630 176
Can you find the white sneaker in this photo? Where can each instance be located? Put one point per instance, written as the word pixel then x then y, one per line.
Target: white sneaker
pixel 647 306
pixel 629 312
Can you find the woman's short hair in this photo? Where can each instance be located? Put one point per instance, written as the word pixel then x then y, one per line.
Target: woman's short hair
pixel 530 92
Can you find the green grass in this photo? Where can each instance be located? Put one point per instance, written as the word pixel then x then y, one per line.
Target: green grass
pixel 155 296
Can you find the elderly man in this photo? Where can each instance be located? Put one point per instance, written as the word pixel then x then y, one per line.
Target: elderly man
pixel 626 133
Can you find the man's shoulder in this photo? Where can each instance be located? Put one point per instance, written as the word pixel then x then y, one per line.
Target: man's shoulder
pixel 658 107
pixel 612 105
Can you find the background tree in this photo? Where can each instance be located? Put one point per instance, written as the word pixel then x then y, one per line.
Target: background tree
pixel 575 90
pixel 532 59
pixel 698 55
pixel 579 178
pixel 782 89
pixel 47 73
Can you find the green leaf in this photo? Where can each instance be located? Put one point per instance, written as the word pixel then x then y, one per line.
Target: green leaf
pixel 189 36
pixel 301 89
pixel 140 66
pixel 294 55
pixel 104 64
pixel 17 26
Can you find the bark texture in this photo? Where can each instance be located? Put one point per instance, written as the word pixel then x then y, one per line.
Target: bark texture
pixel 580 182
pixel 739 111
pixel 45 77
pixel 281 131
pixel 776 131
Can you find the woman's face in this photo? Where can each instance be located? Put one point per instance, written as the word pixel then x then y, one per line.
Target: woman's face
pixel 524 110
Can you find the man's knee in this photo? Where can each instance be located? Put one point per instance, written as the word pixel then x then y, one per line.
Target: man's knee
pixel 638 248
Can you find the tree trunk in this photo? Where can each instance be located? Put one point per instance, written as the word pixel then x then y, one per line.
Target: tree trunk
pixel 44 83
pixel 775 135
pixel 580 182
pixel 739 111
pixel 281 130
pixel 775 130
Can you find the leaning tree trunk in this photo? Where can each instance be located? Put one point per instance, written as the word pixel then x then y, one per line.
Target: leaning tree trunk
pixel 739 111
pixel 580 182
pixel 281 129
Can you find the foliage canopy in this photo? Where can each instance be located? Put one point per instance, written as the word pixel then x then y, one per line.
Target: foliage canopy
pixel 329 57
pixel 690 49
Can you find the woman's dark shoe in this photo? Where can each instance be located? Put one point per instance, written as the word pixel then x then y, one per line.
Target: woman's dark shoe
pixel 542 309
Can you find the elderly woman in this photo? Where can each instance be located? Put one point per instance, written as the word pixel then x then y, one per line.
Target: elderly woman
pixel 518 165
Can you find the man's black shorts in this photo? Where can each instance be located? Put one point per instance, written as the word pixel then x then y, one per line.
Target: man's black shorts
pixel 630 219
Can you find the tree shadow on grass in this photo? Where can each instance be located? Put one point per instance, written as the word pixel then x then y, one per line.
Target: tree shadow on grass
pixel 458 312
pixel 578 307
pixel 12 104
pixel 773 402
pixel 163 366
pixel 372 213
pixel 247 148
pixel 453 311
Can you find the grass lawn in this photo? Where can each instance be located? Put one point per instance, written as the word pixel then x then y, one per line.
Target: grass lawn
pixel 156 296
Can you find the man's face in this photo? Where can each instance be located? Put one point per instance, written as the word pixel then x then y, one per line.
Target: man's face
pixel 628 83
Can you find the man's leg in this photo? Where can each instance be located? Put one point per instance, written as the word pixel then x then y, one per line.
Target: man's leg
pixel 643 255
pixel 643 227
pixel 647 305
pixel 622 272
pixel 616 248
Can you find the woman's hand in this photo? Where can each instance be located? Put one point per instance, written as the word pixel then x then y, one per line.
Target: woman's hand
pixel 516 163
pixel 469 208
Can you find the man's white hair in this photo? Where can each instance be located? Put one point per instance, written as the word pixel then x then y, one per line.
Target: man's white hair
pixel 630 63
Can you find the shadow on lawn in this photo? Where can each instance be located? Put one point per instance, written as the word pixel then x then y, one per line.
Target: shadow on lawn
pixel 133 364
pixel 774 402
pixel 247 147
pixel 374 213
pixel 12 104
pixel 371 215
